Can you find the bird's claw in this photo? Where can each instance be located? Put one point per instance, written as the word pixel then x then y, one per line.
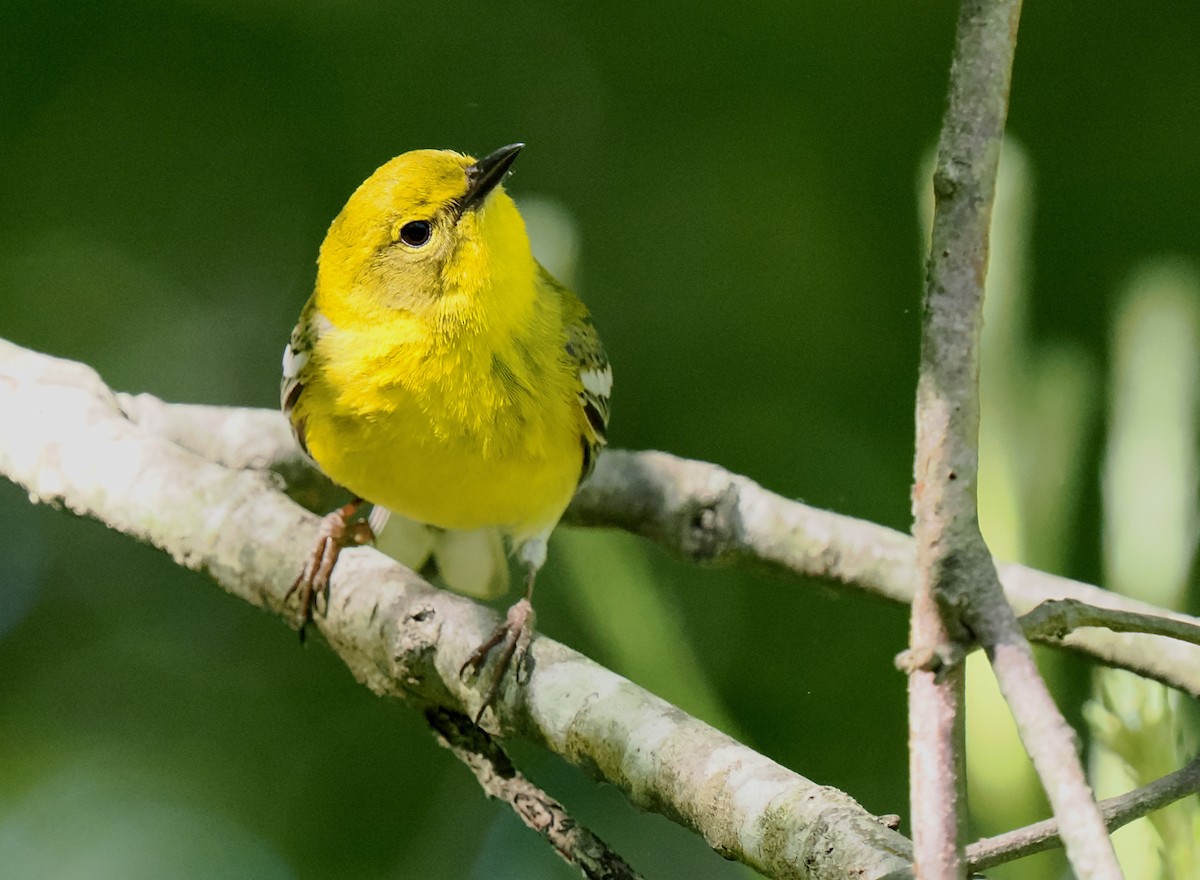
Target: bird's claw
pixel 512 637
pixel 336 532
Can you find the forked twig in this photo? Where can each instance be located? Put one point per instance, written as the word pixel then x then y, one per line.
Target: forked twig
pixel 960 598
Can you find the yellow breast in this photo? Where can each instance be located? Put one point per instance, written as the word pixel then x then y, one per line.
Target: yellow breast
pixel 460 433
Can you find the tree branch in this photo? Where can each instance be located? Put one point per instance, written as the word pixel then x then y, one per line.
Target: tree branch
pixel 952 559
pixel 501 780
pixel 403 638
pixel 1054 618
pixel 693 508
pixel 706 514
pixel 960 596
pixel 1117 811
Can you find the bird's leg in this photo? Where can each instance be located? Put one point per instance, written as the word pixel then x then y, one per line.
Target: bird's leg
pixel 514 634
pixel 336 532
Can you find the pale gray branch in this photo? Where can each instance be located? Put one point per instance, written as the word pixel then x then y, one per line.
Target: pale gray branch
pixel 399 636
pixel 694 508
pixel 708 514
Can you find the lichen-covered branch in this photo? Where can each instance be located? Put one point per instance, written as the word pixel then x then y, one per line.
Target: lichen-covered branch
pixel 960 598
pixel 1117 811
pixel 76 449
pixel 707 514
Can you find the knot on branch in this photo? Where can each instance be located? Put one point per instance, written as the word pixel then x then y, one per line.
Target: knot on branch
pixel 940 660
pixel 413 641
pixel 956 574
pixel 709 522
pixel 819 841
pixel 949 177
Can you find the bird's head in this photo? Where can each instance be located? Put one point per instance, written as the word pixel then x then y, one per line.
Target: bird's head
pixel 427 226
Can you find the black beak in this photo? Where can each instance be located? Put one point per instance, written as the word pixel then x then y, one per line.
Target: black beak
pixel 484 175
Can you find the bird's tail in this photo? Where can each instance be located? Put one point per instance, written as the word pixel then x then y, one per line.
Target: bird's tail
pixel 471 562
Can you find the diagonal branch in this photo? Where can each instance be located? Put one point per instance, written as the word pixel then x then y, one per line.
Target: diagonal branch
pixel 405 639
pixel 960 596
pixel 708 515
pixel 1117 811
pixel 540 812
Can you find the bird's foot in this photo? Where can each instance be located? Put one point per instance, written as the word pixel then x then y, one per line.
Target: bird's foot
pixel 513 638
pixel 336 532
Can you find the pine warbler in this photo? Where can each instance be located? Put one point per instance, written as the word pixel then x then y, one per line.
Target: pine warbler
pixel 441 374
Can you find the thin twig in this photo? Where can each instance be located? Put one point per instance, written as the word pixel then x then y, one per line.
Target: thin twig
pixel 705 514
pixel 402 638
pixel 1055 618
pixel 501 780
pixel 1117 811
pixel 935 754
pixel 960 594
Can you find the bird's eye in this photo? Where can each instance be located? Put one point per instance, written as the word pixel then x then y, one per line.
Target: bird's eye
pixel 416 233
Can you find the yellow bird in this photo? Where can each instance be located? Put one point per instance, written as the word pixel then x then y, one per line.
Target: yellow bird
pixel 440 373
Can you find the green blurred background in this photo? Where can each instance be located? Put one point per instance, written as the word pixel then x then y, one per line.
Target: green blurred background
pixel 741 183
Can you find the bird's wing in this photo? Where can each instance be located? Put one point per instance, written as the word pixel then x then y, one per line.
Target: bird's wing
pixel 297 355
pixel 585 350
